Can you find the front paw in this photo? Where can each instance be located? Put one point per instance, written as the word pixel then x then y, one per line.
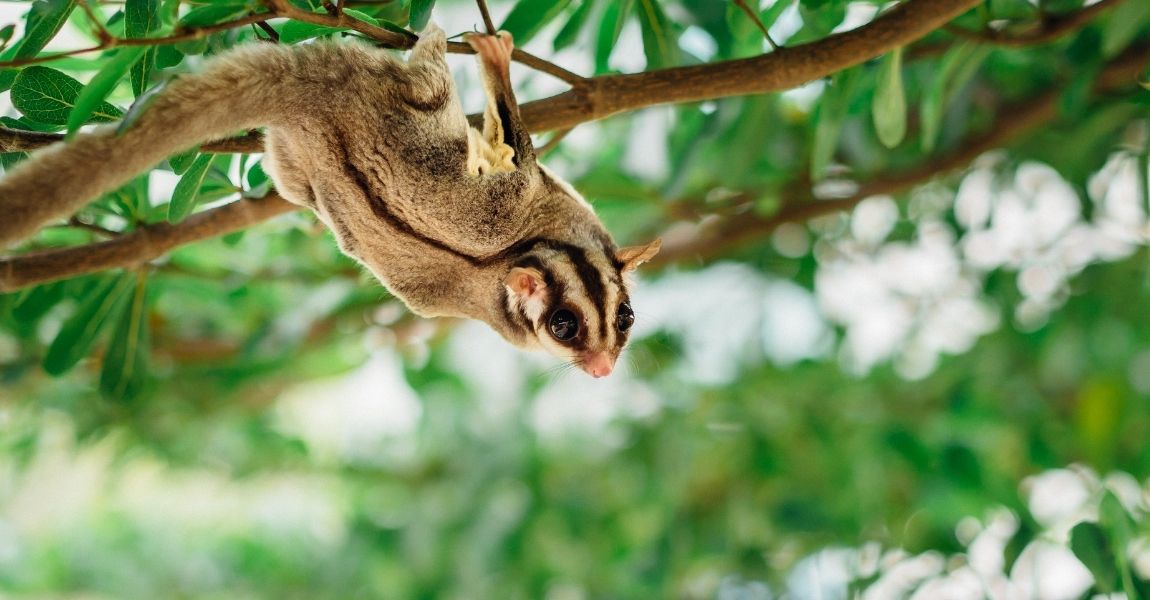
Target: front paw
pixel 494 50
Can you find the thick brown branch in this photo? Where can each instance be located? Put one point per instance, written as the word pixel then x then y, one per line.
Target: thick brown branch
pixel 783 69
pixel 140 246
pixel 1045 31
pixel 599 97
pixel 594 99
pixel 1019 121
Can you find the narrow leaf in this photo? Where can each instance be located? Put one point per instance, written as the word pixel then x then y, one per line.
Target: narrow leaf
pixel 660 44
pixel 183 161
pixel 955 70
pixel 297 31
pixel 829 117
pixel 1114 517
pixel 529 16
pixel 141 17
pixel 187 190
pixel 6 34
pixel 168 56
pixel 45 18
pixel 609 29
pixel 1090 545
pixel 420 14
pixel 126 361
pixel 1124 23
pixel 570 31
pixel 48 96
pixel 102 84
pixel 137 109
pixel 213 14
pixel 80 331
pixel 889 108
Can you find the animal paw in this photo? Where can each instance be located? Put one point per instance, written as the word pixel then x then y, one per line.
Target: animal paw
pixel 494 50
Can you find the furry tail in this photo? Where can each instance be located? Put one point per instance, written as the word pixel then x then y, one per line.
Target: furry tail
pixel 240 90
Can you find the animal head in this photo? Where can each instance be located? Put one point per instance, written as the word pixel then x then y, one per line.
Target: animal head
pixel 575 301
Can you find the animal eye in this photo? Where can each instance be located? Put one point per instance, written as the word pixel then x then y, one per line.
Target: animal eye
pixel 626 317
pixel 563 324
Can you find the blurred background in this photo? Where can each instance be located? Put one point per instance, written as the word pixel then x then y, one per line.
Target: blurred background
pixel 939 390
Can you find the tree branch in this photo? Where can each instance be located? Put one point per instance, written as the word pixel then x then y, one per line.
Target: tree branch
pixel 1019 121
pixel 1047 30
pixel 599 97
pixel 596 98
pixel 140 246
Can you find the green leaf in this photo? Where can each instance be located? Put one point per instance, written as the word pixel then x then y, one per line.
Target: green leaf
pixel 529 16
pixel 955 70
pixel 660 42
pixel 213 14
pixel 126 361
pixel 1125 21
pixel 257 179
pixel 142 17
pixel 1114 517
pixel 168 56
pixel 297 31
pixel 609 29
pixel 137 109
pixel 6 34
pixel 1075 98
pixel 37 301
pixel 80 331
pixel 141 72
pixel 570 31
pixel 187 190
pixel 829 116
pixel 1089 543
pixel 48 96
pixel 889 108
pixel 420 14
pixel 183 161
pixel 769 15
pixel 819 19
pixel 45 18
pixel 102 84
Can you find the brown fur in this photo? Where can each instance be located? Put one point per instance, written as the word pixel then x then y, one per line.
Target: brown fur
pixel 378 148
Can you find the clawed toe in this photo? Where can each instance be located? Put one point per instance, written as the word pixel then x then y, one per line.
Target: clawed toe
pixel 495 49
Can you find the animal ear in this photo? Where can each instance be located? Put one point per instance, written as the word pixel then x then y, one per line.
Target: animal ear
pixel 525 283
pixel 633 256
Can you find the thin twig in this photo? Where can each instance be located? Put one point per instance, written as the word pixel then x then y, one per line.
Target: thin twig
pixel 116 42
pixel 77 223
pixel 273 35
pixel 97 23
pixel 553 143
pixel 529 60
pixel 487 22
pixel 742 4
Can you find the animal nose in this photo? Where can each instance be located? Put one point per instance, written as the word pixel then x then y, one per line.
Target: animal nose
pixel 598 365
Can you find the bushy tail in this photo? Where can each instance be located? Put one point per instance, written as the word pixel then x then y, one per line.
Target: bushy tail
pixel 241 90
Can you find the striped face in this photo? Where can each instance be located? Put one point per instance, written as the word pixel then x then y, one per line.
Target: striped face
pixel 574 302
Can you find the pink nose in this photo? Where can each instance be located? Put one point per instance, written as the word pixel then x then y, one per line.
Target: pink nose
pixel 598 365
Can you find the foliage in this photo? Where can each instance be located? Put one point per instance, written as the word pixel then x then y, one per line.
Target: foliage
pixel 700 475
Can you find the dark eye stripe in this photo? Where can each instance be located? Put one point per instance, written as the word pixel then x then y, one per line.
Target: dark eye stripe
pixel 592 281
